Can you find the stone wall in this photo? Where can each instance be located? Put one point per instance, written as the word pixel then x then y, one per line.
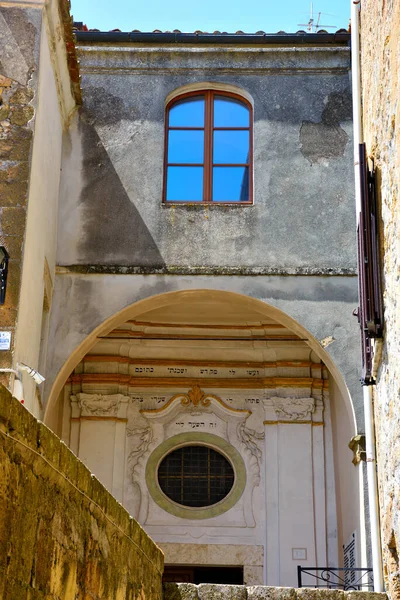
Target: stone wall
pixel 62 535
pixel 19 38
pixel 380 29
pixel 39 89
pixel 205 591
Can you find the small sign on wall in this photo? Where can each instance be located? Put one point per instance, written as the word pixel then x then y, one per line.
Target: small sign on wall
pixel 5 340
pixel 299 553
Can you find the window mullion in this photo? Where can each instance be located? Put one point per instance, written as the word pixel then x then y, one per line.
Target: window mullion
pixel 207 192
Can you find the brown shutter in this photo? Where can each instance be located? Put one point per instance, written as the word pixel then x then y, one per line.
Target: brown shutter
pixel 370 314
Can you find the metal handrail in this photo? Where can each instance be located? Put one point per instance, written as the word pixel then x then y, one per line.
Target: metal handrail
pixel 337 578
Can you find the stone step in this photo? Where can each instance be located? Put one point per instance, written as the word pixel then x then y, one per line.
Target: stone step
pixel 211 591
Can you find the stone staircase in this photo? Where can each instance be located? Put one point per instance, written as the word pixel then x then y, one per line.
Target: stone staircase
pixel 208 591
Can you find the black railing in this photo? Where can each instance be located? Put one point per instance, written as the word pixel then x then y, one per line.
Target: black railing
pixel 335 578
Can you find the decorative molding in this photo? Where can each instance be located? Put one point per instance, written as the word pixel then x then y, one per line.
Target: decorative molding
pixel 145 435
pixel 99 405
pixel 199 399
pixel 357 446
pixel 196 396
pixel 94 418
pixel 143 335
pixel 307 422
pixel 206 326
pixel 229 383
pixel 293 409
pixel 249 438
pixel 168 362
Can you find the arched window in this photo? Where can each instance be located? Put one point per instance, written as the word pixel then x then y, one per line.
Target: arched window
pixel 208 155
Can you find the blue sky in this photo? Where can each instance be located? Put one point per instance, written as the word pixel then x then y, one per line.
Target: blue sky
pixel 209 15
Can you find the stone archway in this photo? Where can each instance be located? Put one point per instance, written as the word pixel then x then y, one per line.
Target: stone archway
pixel 277 398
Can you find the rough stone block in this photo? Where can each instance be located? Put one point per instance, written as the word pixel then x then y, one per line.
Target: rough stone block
pixel 22 424
pixel 5 81
pixel 8 318
pixel 68 463
pixel 4 111
pixel 5 149
pixel 6 358
pixel 48 444
pixel 364 596
pixel 13 220
pixel 13 244
pixel 21 96
pixel 99 493
pixel 84 478
pixel 318 594
pixel 210 591
pixel 21 115
pixel 262 592
pixel 180 591
pixel 13 193
pixel 5 404
pixel 14 171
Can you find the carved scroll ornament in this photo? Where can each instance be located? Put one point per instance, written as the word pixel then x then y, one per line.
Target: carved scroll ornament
pixel 195 396
pixel 99 405
pixel 294 409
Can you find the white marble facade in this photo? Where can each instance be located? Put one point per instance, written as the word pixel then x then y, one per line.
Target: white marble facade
pixel 282 433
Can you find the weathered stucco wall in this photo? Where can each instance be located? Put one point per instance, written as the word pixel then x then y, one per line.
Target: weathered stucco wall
pixel 55 102
pixel 322 305
pixel 303 214
pixel 380 36
pixel 62 535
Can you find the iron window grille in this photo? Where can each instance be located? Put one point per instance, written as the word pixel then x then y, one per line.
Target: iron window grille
pixel 195 476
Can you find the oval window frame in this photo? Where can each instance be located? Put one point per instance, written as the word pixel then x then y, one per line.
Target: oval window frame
pixel 190 439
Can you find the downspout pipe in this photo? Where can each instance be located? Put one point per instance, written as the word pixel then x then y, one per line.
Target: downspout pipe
pixel 367 389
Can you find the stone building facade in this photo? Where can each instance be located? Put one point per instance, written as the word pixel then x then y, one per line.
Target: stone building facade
pixel 380 46
pixel 164 325
pixel 185 325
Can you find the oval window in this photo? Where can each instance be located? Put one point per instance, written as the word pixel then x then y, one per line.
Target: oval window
pixel 195 476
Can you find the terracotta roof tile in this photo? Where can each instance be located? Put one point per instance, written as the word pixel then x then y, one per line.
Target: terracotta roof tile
pixel 79 26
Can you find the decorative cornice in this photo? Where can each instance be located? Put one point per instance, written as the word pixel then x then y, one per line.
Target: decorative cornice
pixel 176 362
pixel 225 383
pixel 132 334
pixel 205 270
pixel 95 418
pixel 206 326
pixel 198 399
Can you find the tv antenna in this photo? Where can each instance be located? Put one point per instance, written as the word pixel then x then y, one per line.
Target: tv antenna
pixel 314 23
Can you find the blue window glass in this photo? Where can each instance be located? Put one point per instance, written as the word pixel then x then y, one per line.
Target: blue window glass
pixel 185 184
pixel 231 146
pixel 230 184
pixel 229 112
pixel 188 112
pixel 185 146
